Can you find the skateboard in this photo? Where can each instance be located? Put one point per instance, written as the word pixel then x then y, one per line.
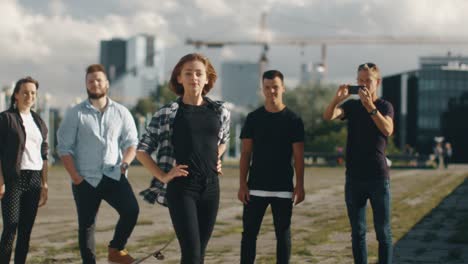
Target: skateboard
pixel 157 253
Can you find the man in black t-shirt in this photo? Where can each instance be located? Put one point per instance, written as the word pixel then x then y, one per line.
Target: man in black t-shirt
pixel 370 122
pixel 272 135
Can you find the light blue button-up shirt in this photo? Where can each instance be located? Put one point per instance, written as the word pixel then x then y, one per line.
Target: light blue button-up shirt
pixel 96 140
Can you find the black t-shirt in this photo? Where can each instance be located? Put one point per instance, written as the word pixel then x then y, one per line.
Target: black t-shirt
pixel 195 140
pixel 365 148
pixel 273 135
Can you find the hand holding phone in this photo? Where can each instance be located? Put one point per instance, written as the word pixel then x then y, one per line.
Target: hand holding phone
pixel 354 89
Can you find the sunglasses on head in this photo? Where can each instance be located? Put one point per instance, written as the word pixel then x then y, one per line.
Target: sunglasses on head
pixel 369 65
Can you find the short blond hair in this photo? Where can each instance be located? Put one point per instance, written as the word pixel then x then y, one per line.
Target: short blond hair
pixel 371 68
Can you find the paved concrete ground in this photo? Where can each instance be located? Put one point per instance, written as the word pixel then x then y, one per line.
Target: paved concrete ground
pixel 432 239
pixel 320 228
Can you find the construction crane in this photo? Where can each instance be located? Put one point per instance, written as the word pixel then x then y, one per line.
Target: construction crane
pixel 324 42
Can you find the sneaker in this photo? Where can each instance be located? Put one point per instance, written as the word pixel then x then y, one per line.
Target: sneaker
pixel 116 256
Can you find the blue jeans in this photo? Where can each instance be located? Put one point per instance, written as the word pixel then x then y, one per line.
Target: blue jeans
pixel 378 192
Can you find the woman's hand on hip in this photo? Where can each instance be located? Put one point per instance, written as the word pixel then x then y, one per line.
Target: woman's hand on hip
pixel 219 167
pixel 176 171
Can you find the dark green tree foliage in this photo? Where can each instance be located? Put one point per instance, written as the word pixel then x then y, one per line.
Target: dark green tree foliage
pixel 309 101
pixel 161 96
pixel 392 148
pixel 143 106
pixel 164 95
pixel 328 137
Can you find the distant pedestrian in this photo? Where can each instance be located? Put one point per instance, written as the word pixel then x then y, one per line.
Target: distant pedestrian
pixel 447 154
pixel 370 123
pixel 339 153
pixel 438 154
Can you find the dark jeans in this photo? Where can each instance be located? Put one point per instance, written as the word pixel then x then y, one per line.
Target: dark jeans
pixel 193 207
pixel 378 192
pixel 446 161
pixel 120 196
pixel 19 209
pixel 252 218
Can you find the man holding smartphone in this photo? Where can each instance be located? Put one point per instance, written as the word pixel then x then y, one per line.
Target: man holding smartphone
pixel 370 122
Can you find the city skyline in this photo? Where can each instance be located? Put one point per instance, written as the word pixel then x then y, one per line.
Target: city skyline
pixel 55 41
pixel 135 66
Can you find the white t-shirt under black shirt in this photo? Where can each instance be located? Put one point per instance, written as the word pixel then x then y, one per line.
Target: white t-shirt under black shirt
pixel 32 159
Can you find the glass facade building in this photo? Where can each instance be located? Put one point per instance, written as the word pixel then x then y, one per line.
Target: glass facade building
pixel 436 89
pixel 112 55
pixel 454 129
pixel 421 97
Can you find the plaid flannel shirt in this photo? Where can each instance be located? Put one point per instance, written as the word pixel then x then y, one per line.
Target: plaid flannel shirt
pixel 158 138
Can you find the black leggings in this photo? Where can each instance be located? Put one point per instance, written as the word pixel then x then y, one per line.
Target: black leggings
pixel 19 209
pixel 193 208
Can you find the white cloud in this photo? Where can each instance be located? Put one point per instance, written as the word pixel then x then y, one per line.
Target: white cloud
pixel 25 35
pixel 157 6
pixel 440 17
pixel 16 36
pixel 416 17
pixel 56 43
pixel 56 48
pixel 217 8
pixel 57 7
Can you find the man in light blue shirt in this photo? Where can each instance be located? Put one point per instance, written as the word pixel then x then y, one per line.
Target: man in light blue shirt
pixel 97 141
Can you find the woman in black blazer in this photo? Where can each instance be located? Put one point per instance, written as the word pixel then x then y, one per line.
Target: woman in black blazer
pixel 23 169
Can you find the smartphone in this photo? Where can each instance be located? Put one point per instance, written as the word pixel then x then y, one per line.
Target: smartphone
pixel 354 89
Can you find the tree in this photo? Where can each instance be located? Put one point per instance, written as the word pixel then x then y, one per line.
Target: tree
pixel 160 96
pixel 163 94
pixel 328 137
pixel 309 101
pixel 143 106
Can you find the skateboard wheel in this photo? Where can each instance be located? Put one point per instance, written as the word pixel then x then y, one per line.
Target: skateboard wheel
pixel 159 256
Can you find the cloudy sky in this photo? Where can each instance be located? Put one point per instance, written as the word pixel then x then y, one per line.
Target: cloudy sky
pixel 54 40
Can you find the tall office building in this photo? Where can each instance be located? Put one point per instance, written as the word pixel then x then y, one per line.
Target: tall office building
pixel 454 129
pixel 113 56
pixel 421 97
pixel 240 83
pixel 139 70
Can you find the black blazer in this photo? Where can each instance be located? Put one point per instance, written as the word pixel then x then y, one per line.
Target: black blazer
pixel 13 140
